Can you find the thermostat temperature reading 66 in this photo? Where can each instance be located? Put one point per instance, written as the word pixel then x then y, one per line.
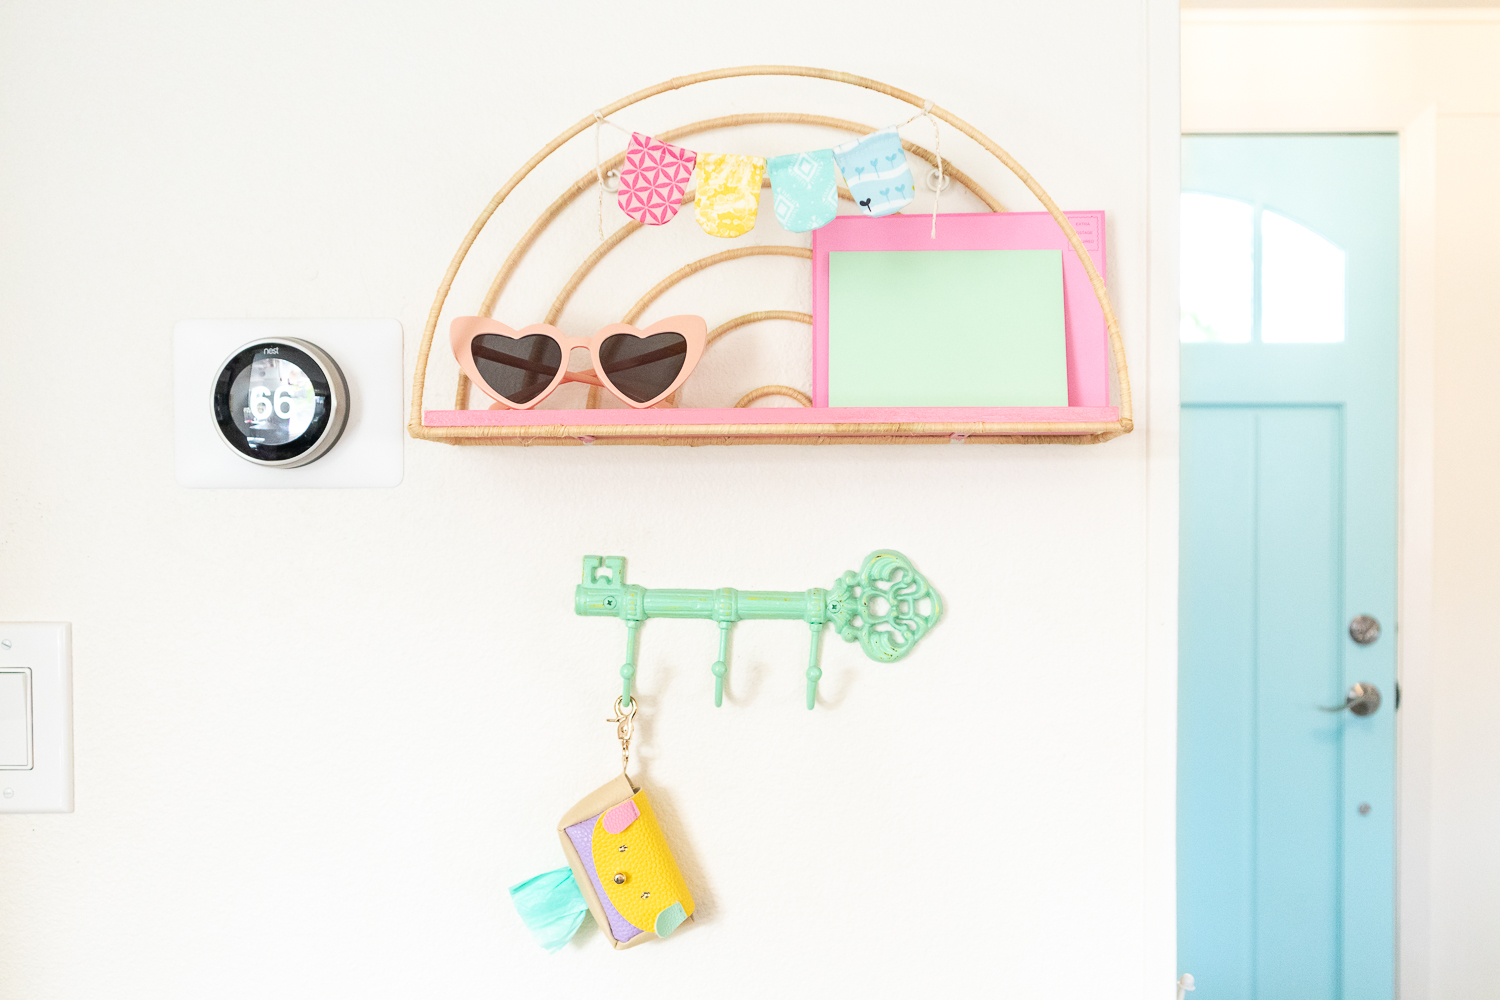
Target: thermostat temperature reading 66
pixel 274 400
pixel 280 403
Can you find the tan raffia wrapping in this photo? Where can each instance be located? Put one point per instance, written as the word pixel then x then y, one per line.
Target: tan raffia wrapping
pixel 809 433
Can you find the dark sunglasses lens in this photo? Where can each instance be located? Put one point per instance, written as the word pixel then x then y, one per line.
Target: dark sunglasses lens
pixel 643 367
pixel 518 368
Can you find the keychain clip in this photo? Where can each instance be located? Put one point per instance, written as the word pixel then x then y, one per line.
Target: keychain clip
pixel 624 729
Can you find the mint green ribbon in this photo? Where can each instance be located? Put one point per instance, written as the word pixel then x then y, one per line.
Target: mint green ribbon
pixel 551 907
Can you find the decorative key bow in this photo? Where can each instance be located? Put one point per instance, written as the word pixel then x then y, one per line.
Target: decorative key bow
pixel 886 607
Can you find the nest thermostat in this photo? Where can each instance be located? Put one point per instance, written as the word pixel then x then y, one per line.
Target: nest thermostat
pixel 285 404
pixel 280 403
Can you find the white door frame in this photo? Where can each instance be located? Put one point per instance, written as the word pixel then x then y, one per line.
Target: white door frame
pixel 1159 932
pixel 1416 124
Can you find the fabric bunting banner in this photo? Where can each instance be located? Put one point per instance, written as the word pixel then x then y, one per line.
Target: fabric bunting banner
pixel 804 186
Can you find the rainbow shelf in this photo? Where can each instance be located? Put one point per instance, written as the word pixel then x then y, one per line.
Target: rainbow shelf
pixel 1098 412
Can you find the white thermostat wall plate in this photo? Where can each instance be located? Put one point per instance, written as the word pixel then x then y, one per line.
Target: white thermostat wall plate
pixel 369 452
pixel 36 717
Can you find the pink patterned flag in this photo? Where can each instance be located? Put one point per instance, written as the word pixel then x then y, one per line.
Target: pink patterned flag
pixel 653 179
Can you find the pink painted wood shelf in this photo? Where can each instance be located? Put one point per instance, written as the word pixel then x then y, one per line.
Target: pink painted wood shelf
pixel 1087 420
pixel 771 424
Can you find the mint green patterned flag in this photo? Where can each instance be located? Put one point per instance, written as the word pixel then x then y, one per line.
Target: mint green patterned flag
pixel 805 187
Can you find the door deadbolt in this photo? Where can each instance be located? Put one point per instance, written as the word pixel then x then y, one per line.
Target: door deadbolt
pixel 1363 629
pixel 1363 699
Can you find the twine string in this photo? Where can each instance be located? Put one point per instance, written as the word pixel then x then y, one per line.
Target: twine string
pixel 600 120
pixel 599 170
pixel 937 152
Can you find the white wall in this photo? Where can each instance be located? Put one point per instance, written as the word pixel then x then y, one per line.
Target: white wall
pixel 1435 74
pixel 318 733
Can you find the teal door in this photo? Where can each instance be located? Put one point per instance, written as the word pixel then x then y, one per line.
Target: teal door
pixel 1286 811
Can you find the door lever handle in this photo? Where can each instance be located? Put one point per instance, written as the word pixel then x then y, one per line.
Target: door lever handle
pixel 1363 699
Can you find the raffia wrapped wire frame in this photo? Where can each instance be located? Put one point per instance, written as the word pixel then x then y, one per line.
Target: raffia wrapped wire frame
pixel 812 432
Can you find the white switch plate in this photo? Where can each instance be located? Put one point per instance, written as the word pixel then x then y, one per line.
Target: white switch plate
pixel 41 653
pixel 368 352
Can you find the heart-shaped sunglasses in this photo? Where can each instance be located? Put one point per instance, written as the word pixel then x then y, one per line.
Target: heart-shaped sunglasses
pixel 520 368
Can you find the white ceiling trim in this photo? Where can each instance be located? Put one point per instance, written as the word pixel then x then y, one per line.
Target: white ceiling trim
pixel 1369 15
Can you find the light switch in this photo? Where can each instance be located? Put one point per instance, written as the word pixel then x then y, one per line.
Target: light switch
pixel 36 717
pixel 15 718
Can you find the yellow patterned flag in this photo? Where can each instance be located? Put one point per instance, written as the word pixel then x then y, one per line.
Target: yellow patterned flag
pixel 728 192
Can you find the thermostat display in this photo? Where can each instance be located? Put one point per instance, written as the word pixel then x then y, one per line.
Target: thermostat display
pixel 280 402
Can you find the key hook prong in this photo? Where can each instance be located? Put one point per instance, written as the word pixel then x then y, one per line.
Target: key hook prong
pixel 721 665
pixel 627 671
pixel 814 672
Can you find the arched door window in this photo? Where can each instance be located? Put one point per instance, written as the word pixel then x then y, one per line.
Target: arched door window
pixel 1250 274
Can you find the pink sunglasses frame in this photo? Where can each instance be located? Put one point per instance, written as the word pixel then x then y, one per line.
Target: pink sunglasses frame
pixel 463 330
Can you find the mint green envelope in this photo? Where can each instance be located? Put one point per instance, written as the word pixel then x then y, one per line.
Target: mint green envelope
pixel 946 328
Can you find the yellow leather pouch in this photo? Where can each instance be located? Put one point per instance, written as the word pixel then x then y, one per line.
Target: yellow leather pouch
pixel 622 865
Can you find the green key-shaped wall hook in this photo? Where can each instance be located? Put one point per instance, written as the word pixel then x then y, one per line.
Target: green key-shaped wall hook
pixel 886 607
